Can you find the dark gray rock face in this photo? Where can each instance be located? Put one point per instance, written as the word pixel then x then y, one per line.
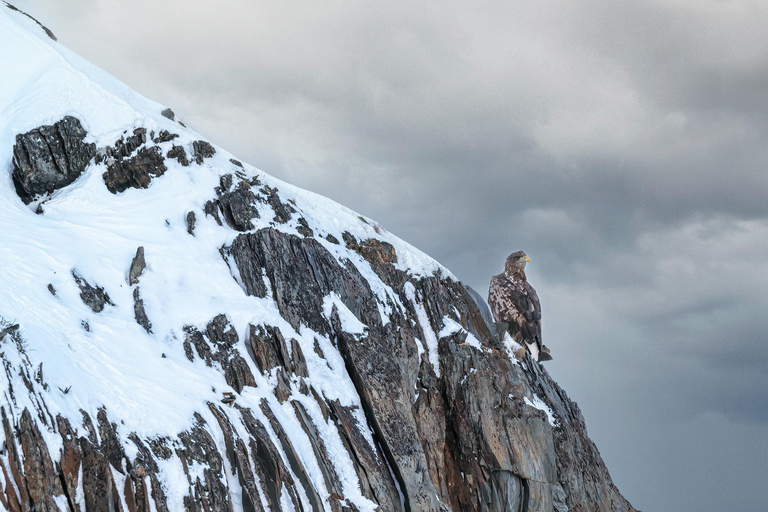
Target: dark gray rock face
pixel 467 441
pixel 45 29
pixel 191 220
pixel 138 264
pixel 138 308
pixel 168 114
pixel 178 153
pixel 237 204
pixel 50 157
pixel 202 150
pixel 448 428
pixel 459 436
pixel 95 297
pixel 135 172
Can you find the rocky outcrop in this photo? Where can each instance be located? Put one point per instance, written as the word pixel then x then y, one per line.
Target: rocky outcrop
pixel 439 415
pixel 467 439
pixel 95 297
pixel 45 29
pixel 135 172
pixel 235 203
pixel 202 150
pixel 50 157
pixel 455 433
pixel 138 264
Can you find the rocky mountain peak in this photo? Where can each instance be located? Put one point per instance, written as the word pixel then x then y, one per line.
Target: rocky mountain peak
pixel 190 333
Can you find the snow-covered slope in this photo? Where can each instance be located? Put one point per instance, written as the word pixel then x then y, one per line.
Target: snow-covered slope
pixel 336 411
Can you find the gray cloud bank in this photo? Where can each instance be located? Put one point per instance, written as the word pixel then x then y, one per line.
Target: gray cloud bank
pixel 622 145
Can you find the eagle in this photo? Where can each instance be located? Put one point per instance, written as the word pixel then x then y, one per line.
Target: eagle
pixel 516 306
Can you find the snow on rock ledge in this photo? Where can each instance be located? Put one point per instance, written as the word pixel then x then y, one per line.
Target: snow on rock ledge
pixel 270 355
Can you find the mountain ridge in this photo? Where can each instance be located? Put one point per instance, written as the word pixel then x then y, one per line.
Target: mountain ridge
pixel 276 351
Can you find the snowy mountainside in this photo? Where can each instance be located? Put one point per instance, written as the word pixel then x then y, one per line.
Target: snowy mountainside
pixel 197 335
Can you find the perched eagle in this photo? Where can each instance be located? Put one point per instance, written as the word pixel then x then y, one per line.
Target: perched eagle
pixel 516 306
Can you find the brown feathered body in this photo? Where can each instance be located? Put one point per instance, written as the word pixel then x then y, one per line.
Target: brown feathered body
pixel 514 301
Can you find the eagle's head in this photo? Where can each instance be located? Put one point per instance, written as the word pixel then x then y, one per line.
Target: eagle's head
pixel 516 262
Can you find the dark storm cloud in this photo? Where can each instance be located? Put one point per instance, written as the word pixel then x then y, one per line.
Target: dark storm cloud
pixel 622 145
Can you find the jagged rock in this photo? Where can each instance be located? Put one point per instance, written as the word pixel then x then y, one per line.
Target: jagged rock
pixel 366 380
pixel 283 211
pixel 102 492
pixel 332 483
pixel 42 481
pixel 45 29
pixel 139 312
pixel 304 228
pixel 93 296
pixel 165 136
pixel 179 154
pixel 375 480
pixel 124 147
pixel 269 464
pixel 50 157
pixel 191 219
pixel 135 172
pixel 217 344
pixel 269 350
pixel 168 113
pixel 381 255
pixel 138 264
pixel 202 150
pixel 110 443
pixel 299 286
pixel 144 465
pixel 237 373
pixel 239 207
pixel 283 389
pixel 198 446
pixel 294 461
pixel 71 458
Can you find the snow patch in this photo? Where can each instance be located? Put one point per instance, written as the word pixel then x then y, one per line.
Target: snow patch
pixel 429 334
pixel 451 326
pixel 538 403
pixel 349 322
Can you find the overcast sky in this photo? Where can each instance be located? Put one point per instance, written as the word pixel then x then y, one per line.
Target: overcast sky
pixel 622 145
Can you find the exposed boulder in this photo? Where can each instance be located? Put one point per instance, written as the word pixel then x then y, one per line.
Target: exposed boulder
pixel 202 150
pixel 179 154
pixel 139 312
pixel 168 114
pixel 137 266
pixel 283 211
pixel 50 157
pixel 164 136
pixel 95 297
pixel 191 220
pixel 237 204
pixel 125 146
pixel 135 172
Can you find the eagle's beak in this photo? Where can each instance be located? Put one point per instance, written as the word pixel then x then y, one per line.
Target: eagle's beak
pixel 527 259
